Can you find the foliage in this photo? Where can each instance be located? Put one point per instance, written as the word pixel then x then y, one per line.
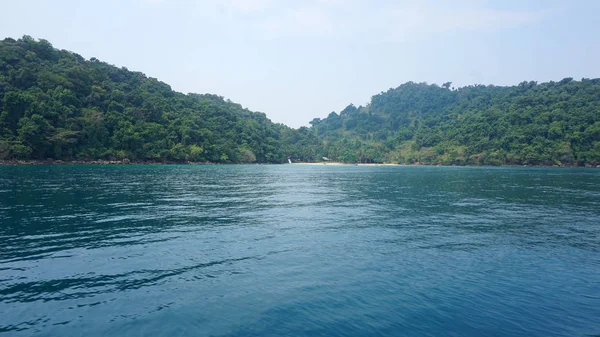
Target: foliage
pixel 55 104
pixel 555 123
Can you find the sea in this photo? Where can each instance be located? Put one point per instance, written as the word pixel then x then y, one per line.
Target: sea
pixel 299 250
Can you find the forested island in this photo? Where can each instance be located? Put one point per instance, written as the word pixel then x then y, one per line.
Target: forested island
pixel 56 105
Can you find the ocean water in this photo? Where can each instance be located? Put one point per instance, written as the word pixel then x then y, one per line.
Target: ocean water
pixel 292 250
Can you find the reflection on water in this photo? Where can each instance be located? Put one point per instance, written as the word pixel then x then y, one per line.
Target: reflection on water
pixel 299 250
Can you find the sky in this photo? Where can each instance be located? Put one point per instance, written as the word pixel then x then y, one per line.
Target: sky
pixel 298 60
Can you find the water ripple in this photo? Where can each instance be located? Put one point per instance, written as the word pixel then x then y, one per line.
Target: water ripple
pixel 305 251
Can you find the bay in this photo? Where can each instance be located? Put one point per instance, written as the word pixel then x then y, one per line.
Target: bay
pixel 258 250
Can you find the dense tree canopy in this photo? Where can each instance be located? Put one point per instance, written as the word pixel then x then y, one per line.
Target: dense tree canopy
pixel 55 104
pixel 555 123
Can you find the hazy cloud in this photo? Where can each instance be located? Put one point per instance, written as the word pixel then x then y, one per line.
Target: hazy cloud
pixel 248 6
pixel 432 17
pixel 347 18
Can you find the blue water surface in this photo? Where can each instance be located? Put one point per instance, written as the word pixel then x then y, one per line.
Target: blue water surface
pixel 298 250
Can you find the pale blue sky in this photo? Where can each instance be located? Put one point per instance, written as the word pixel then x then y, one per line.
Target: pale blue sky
pixel 296 60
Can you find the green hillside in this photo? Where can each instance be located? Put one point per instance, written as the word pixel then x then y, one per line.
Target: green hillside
pixel 555 123
pixel 55 104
